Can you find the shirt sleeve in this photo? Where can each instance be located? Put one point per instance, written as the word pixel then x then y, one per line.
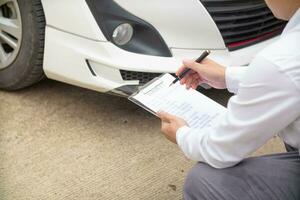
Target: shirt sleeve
pixel 233 77
pixel 264 105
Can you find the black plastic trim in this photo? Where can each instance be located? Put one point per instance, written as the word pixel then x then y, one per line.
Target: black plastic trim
pixel 146 39
pixel 143 77
pixel 242 20
pixel 90 68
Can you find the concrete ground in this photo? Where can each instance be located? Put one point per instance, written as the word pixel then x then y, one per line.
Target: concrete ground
pixel 63 142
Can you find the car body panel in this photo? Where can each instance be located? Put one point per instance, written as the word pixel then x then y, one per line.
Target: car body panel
pixel 76 51
pixel 69 63
pixel 182 24
pixel 72 16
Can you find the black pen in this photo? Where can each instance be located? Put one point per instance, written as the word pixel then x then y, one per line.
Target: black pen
pixel 199 60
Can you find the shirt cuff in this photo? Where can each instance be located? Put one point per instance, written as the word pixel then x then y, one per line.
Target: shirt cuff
pixel 180 134
pixel 189 141
pixel 234 76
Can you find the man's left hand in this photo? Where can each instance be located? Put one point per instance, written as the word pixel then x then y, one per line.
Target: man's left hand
pixel 170 124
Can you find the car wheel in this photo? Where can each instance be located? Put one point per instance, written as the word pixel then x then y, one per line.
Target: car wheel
pixel 22 31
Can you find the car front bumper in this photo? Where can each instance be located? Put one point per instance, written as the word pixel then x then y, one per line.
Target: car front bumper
pixel 96 64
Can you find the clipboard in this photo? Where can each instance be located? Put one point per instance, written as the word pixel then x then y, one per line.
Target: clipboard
pixel 195 108
pixel 145 88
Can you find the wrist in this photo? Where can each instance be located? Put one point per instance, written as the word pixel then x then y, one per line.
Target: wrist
pixel 218 77
pixel 222 77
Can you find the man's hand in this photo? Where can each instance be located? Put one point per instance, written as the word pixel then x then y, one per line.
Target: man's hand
pixel 170 124
pixel 208 72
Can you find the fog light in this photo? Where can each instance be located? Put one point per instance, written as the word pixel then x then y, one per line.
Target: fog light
pixel 122 34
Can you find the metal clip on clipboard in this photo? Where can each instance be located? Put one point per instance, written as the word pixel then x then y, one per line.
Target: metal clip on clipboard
pixel 146 89
pixel 142 88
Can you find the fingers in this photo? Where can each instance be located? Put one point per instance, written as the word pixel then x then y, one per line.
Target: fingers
pixel 191 64
pixel 195 84
pixel 195 80
pixel 187 64
pixel 190 75
pixel 165 126
pixel 206 72
pixel 188 82
pixel 190 79
pixel 180 70
pixel 164 116
pixel 165 121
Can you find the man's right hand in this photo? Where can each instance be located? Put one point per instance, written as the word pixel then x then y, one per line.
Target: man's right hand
pixel 208 72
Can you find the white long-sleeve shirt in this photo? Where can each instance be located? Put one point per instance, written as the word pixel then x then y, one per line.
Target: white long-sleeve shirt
pixel 267 103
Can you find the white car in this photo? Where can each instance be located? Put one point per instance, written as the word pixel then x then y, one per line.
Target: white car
pixel 117 45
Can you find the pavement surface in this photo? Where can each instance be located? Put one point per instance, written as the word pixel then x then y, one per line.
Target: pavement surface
pixel 63 142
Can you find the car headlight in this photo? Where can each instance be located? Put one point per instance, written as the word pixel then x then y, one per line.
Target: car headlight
pixel 127 31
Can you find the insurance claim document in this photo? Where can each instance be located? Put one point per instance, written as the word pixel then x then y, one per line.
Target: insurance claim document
pixel 195 108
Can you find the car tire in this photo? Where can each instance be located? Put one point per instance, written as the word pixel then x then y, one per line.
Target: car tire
pixel 26 67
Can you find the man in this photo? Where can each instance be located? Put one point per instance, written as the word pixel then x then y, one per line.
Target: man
pixel 267 103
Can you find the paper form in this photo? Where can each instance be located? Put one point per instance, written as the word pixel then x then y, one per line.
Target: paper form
pixel 195 108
